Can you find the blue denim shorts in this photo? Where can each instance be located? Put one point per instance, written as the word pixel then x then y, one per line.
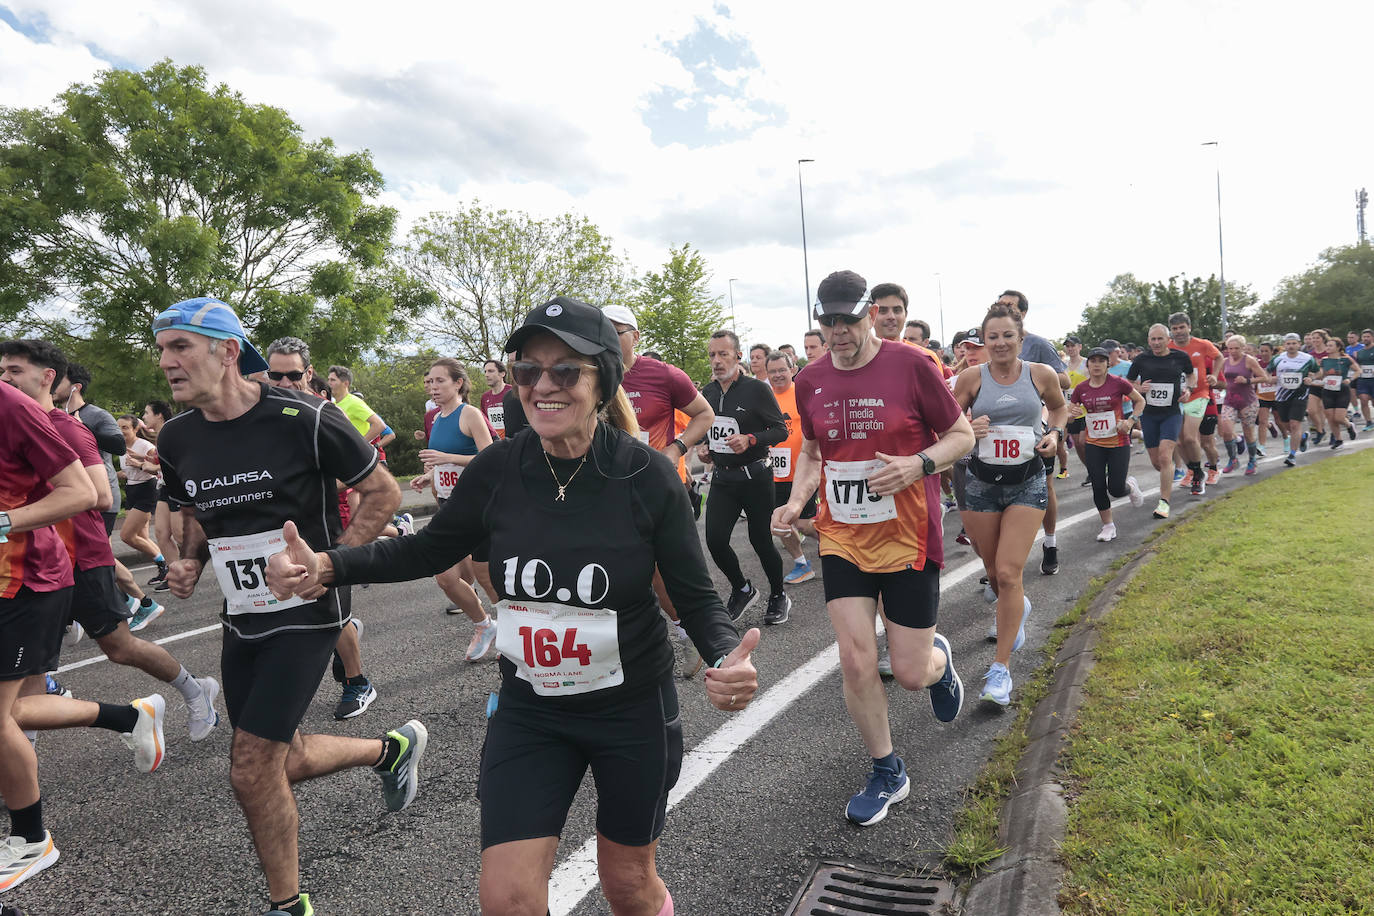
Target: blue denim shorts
pixel 994 497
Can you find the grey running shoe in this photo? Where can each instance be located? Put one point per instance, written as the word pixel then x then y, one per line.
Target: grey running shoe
pixel 402 778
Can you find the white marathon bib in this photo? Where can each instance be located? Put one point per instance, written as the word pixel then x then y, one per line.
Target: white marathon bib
pixel 446 478
pixel 847 494
pixel 240 565
pixel 1159 394
pixel 1218 396
pixel 1367 371
pixel 1102 425
pixel 560 650
pixel 496 413
pixel 1290 381
pixel 722 428
pixel 1006 445
pixel 1267 387
pixel 1332 382
pixel 780 460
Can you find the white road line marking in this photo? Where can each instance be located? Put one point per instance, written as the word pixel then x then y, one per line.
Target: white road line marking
pixel 164 640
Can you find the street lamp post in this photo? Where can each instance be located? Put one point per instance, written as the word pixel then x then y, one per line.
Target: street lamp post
pixel 731 283
pixel 806 267
pixel 940 292
pixel 1221 250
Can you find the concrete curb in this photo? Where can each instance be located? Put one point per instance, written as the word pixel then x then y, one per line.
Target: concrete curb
pixel 1026 879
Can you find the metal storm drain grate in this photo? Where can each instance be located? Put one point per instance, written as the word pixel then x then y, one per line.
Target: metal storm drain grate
pixel 846 888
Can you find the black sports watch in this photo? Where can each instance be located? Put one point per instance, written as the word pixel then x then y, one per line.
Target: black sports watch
pixel 927 465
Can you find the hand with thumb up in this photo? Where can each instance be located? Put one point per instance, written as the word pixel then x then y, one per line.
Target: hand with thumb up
pixel 731 686
pixel 296 570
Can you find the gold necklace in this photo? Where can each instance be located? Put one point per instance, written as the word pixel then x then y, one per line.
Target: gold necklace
pixel 563 487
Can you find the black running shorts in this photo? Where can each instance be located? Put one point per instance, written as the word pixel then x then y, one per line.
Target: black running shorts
pixel 97 603
pixel 269 682
pixel 1335 400
pixel 1295 408
pixel 31 631
pixel 911 597
pixel 536 754
pixel 141 496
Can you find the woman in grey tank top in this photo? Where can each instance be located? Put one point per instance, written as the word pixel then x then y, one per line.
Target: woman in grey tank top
pixel 1007 493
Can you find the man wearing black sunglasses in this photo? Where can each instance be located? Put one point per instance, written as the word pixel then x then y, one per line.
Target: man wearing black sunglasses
pixel 747 421
pixel 877 418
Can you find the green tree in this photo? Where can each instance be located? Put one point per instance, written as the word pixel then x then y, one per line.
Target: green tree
pixel 144 188
pixel 487 268
pixel 1129 306
pixel 677 313
pixel 1336 293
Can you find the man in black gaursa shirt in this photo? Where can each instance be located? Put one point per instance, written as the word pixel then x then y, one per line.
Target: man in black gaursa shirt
pixel 241 462
pixel 747 421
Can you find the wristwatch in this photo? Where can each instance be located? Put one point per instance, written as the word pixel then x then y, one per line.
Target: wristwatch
pixel 927 465
pixel 1057 429
pixel 680 444
pixel 5 527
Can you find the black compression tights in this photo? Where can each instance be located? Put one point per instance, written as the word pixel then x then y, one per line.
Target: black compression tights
pixel 1107 469
pixel 755 498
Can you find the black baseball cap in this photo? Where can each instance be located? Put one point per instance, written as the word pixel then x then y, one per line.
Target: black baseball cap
pixel 842 293
pixel 579 325
pixel 1072 339
pixel 1099 353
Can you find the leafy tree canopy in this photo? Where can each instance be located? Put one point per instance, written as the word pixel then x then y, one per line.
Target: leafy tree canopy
pixel 487 268
pixel 1129 306
pixel 144 188
pixel 1336 293
pixel 677 313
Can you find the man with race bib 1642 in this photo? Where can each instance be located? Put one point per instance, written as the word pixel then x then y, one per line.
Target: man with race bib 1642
pixel 878 423
pixel 240 462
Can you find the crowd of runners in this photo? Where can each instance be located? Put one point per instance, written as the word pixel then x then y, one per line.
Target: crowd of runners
pixel 566 534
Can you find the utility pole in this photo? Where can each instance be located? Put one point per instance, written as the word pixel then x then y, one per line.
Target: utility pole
pixel 1221 251
pixel 806 265
pixel 1361 201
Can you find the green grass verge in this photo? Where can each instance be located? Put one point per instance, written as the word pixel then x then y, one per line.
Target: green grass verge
pixel 975 841
pixel 1224 759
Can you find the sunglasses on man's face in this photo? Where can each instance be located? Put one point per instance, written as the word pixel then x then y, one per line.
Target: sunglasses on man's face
pixel 295 375
pixel 828 321
pixel 564 375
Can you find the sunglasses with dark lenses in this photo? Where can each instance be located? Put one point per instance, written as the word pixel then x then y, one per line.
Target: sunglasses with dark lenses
pixel 828 321
pixel 295 375
pixel 564 375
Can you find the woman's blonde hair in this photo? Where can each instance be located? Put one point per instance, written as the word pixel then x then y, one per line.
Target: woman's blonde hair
pixel 620 414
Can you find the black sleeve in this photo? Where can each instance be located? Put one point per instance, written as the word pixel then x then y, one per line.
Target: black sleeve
pixel 451 535
pixel 677 549
pixel 108 438
pixel 514 412
pixel 774 430
pixel 171 477
pixel 344 454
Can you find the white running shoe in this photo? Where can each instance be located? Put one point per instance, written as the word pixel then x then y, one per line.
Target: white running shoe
pixel 484 634
pixel 203 716
pixel 20 860
pixel 72 635
pixel 146 738
pixel 1108 533
pixel 1137 497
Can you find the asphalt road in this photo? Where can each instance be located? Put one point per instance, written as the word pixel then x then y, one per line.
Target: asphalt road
pixel 759 801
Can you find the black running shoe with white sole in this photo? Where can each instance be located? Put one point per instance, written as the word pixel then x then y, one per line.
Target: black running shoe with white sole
pixel 779 608
pixel 401 780
pixel 741 600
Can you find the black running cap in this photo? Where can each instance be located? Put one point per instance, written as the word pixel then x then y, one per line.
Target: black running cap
pixel 1098 353
pixel 842 293
pixel 579 325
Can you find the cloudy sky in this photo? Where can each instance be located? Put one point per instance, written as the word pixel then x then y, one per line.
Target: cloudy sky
pixel 959 148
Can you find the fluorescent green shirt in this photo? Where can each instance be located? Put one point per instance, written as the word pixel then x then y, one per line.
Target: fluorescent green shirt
pixel 357 411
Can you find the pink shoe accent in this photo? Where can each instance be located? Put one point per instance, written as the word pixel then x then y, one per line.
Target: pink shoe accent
pixel 667 909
